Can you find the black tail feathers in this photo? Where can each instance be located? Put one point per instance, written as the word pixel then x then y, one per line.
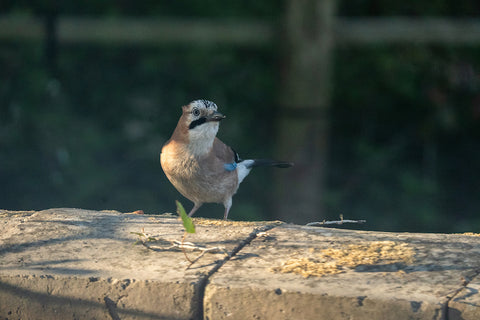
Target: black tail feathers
pixel 271 163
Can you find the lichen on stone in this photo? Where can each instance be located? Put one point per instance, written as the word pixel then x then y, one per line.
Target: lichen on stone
pixel 338 260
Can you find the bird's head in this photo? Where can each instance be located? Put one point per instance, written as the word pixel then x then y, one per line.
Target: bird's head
pixel 202 120
pixel 202 114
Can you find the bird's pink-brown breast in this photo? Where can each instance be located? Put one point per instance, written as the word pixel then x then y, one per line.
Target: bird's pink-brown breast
pixel 202 179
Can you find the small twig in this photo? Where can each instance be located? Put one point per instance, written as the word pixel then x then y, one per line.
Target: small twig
pixel 149 243
pixel 211 250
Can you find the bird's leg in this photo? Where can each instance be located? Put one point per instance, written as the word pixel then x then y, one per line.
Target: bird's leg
pixel 228 205
pixel 195 208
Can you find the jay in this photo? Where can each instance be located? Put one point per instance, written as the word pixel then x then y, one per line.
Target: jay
pixel 200 166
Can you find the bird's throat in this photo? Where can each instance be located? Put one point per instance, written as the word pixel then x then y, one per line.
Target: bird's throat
pixel 201 138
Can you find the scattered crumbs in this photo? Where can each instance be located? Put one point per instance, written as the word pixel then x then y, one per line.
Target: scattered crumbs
pixel 223 223
pixel 220 223
pixel 7 213
pixel 308 267
pixel 135 212
pixel 334 261
pixel 109 211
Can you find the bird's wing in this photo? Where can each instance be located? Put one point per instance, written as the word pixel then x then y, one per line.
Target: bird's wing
pixel 224 152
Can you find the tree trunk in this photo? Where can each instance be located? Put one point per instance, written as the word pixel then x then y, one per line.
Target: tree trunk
pixel 303 123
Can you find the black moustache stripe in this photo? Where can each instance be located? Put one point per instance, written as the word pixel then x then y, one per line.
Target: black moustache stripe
pixel 197 122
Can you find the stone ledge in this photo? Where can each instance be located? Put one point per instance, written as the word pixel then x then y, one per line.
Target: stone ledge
pixel 82 264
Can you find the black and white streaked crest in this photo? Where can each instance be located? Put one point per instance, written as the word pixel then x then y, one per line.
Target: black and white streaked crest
pixel 207 103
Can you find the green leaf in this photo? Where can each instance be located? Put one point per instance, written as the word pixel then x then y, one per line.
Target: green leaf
pixel 138 234
pixel 187 221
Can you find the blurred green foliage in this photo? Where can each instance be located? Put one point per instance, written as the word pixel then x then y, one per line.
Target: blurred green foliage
pixel 405 137
pixel 91 136
pixel 404 149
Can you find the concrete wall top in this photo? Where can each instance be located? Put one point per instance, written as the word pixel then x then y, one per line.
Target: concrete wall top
pixel 83 264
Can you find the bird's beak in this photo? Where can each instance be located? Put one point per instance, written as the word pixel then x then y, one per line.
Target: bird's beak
pixel 215 116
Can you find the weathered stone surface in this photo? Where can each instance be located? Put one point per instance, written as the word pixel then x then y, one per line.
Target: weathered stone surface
pixel 466 303
pixel 82 264
pixel 246 287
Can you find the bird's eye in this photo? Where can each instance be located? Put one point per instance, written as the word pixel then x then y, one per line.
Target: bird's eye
pixel 196 112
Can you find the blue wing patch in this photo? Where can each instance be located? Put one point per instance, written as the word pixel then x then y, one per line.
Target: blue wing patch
pixel 230 166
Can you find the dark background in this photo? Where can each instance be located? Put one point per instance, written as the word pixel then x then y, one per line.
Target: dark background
pixel 82 125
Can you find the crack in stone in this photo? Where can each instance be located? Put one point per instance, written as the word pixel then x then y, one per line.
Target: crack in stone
pixel 204 281
pixel 112 308
pixel 465 283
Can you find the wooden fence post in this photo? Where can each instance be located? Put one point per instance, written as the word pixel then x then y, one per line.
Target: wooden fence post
pixel 303 123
